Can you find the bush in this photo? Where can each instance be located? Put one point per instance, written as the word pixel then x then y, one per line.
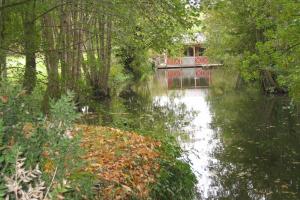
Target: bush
pixel 47 141
pixel 135 60
pixel 117 78
pixel 175 181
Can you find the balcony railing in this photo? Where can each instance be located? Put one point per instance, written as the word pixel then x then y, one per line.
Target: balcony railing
pixel 187 61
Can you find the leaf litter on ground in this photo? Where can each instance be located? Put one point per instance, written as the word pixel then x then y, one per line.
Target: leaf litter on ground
pixel 126 161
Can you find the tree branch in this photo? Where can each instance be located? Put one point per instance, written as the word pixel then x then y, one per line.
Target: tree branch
pixel 14 4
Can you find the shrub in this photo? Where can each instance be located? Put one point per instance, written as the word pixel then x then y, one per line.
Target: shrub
pixel 44 140
pixel 24 184
pixel 175 181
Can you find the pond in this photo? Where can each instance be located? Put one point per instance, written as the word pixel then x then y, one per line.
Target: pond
pixel 241 145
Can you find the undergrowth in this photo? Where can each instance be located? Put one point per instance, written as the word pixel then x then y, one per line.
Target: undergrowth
pixel 164 123
pixel 36 139
pixel 28 138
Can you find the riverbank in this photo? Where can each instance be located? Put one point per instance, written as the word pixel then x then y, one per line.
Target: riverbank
pixel 125 164
pixel 134 160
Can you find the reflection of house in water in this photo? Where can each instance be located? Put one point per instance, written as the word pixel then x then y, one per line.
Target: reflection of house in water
pixel 193 56
pixel 191 70
pixel 187 78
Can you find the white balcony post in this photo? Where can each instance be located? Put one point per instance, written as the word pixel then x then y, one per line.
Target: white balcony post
pixel 194 51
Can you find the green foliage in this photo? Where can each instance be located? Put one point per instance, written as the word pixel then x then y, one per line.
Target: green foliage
pixel 75 50
pixel 2 159
pixel 62 112
pixel 1 133
pixel 63 150
pixel 175 181
pixel 47 141
pixel 256 36
pixel 118 78
pixel 135 61
pixel 33 29
pixel 18 110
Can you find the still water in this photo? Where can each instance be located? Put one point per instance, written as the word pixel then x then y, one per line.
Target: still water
pixel 201 143
pixel 241 145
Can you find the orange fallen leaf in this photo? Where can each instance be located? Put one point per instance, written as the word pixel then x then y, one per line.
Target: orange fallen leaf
pixel 49 166
pixel 28 129
pixel 4 99
pixel 121 158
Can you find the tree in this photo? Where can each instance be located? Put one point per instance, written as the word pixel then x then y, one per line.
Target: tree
pixel 78 39
pixel 258 38
pixel 3 69
pixel 30 45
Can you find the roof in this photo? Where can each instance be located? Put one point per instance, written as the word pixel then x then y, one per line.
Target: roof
pixel 196 38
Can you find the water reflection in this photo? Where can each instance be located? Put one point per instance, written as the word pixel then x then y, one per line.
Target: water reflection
pixel 242 145
pixel 260 155
pixel 201 143
pixel 185 78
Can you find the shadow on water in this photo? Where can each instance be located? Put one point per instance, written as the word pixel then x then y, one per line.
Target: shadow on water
pixel 260 156
pixel 240 145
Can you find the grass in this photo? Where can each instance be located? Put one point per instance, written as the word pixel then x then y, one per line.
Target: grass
pixel 15 68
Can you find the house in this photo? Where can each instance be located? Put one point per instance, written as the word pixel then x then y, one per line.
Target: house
pixel 192 56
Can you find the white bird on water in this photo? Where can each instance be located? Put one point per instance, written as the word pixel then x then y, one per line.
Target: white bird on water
pixel 85 109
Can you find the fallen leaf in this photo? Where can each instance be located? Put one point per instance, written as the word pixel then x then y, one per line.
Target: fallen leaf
pixel 28 129
pixel 120 158
pixel 4 99
pixel 128 189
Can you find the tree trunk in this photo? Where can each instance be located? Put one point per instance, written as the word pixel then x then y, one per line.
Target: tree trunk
pixel 105 55
pixel 101 55
pixel 91 70
pixel 72 44
pixel 239 82
pixel 30 48
pixel 51 60
pixel 77 46
pixel 65 41
pixel 269 83
pixel 3 70
pixel 108 56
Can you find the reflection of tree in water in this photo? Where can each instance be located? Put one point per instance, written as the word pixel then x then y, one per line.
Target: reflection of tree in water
pixel 260 156
pixel 135 110
pixel 148 114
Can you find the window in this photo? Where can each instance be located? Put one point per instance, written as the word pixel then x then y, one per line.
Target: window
pixel 200 51
pixel 189 52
